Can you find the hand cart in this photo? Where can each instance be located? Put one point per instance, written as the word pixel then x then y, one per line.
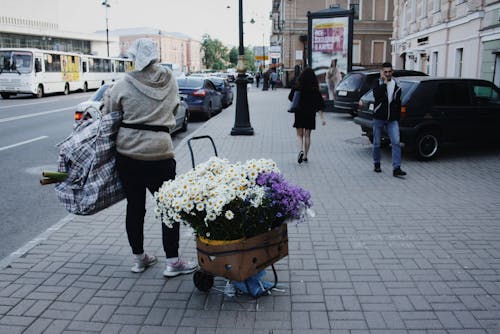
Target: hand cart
pixel 237 260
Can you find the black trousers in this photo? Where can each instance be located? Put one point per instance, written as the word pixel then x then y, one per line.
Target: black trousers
pixel 137 176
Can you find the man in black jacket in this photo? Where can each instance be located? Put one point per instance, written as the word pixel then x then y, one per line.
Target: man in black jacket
pixel 386 113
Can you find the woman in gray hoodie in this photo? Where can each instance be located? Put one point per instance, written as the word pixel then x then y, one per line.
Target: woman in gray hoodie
pixel 148 98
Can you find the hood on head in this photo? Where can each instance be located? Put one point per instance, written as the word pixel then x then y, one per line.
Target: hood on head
pixel 143 52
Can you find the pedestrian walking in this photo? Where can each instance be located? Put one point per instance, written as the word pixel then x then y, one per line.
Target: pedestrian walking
pixel 257 79
pixel 386 114
pixel 148 99
pixel 333 78
pixel 310 102
pixel 265 78
pixel 273 78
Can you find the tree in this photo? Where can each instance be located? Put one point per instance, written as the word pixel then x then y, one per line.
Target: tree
pixel 249 58
pixel 233 56
pixel 216 55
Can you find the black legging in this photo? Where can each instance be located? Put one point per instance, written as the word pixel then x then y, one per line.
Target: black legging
pixel 137 176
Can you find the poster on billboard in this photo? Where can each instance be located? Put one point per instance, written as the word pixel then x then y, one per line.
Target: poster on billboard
pixel 330 37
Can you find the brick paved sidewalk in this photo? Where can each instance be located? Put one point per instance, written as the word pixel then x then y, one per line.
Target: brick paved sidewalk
pixel 383 255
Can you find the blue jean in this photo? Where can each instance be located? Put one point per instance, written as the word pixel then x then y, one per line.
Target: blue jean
pixel 393 132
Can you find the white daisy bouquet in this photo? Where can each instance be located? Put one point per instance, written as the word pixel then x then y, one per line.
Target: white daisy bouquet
pixel 224 201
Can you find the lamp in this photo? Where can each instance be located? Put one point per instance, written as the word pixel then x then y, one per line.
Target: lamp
pixel 242 124
pixel 106 4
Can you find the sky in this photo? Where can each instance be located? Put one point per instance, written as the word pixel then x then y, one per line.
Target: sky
pixel 218 18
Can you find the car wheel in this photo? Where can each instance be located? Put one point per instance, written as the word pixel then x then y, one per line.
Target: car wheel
pixel 39 91
pixel 208 114
pixel 185 122
pixel 66 89
pixel 85 87
pixel 427 145
pixel 5 96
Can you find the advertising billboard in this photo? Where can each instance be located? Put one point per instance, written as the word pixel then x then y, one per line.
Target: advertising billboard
pixel 330 37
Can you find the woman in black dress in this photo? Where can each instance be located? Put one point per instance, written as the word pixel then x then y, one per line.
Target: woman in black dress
pixel 310 102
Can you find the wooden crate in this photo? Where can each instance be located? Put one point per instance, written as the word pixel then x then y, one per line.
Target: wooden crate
pixel 240 260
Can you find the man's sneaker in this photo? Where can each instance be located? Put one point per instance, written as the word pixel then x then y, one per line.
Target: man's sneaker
pixel 398 172
pixel 141 264
pixel 376 168
pixel 179 268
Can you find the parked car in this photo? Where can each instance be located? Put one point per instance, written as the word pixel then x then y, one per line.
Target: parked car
pixel 225 88
pixel 92 109
pixel 355 84
pixel 200 95
pixel 438 110
pixel 250 77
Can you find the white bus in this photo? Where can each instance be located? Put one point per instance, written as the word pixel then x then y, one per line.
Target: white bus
pixel 39 72
pixel 96 71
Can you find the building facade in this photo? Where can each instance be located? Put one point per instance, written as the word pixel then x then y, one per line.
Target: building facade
pixel 456 38
pixel 371 33
pixel 43 29
pixel 173 48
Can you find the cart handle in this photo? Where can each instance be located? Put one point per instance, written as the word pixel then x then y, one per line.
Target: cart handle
pixel 196 138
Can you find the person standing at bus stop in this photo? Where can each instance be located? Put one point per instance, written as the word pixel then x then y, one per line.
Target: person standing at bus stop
pixel 148 99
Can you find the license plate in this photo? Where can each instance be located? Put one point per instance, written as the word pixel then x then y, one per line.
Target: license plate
pixel 371 107
pixel 342 93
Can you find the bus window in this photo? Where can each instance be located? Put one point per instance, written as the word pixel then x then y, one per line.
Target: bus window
pixel 38 65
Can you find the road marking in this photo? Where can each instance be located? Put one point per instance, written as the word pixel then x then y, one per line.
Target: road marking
pixel 15 118
pixel 40 102
pixel 23 142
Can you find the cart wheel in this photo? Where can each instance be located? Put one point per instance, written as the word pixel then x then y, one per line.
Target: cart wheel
pixel 203 281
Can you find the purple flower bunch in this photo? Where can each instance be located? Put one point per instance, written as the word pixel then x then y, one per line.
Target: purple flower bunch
pixel 287 200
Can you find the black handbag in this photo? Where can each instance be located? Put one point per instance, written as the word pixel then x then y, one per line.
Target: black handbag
pixel 295 102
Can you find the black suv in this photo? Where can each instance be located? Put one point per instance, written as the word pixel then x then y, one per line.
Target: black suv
pixel 436 110
pixel 355 84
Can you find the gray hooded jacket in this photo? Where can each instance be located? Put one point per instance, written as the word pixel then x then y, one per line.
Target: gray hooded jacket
pixel 149 97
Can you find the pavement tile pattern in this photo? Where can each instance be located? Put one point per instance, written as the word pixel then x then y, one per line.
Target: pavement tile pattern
pixel 383 255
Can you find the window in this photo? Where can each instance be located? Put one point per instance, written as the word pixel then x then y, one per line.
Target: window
pixel 413 10
pixel 437 6
pixel 484 93
pixel 434 63
pixel 459 53
pixel 356 52
pixel 423 9
pixel 52 63
pixel 378 52
pixel 452 94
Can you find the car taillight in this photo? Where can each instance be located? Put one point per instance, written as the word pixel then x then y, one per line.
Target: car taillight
pixel 78 115
pixel 199 93
pixel 403 111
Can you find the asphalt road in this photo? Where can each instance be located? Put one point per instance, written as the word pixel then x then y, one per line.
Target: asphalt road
pixel 30 128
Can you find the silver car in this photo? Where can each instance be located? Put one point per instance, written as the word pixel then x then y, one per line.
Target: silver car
pixel 92 109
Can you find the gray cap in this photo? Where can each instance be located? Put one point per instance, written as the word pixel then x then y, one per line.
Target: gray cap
pixel 143 52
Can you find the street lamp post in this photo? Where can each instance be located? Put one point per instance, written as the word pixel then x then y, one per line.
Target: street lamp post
pixel 242 124
pixel 106 4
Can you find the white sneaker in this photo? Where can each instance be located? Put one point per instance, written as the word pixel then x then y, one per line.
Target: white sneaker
pixel 141 265
pixel 179 268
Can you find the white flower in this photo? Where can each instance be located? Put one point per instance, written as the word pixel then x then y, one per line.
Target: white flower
pixel 229 215
pixel 211 216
